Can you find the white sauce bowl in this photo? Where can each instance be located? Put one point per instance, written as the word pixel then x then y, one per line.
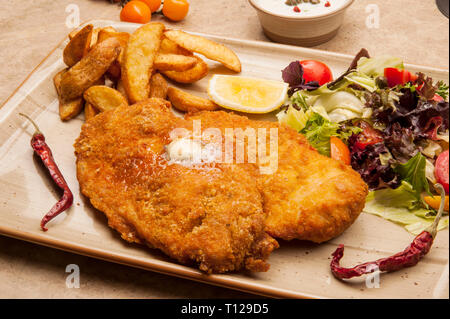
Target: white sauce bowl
pixel 308 30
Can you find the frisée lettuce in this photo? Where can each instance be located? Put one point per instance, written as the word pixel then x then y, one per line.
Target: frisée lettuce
pixel 316 127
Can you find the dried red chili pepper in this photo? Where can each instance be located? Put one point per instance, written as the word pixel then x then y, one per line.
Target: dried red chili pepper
pixel 407 258
pixel 43 151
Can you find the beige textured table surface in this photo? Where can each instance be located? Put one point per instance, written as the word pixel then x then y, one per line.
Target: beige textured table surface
pixel 412 29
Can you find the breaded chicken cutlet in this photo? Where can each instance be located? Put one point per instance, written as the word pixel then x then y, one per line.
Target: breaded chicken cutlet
pixel 211 216
pixel 309 196
pixel 220 216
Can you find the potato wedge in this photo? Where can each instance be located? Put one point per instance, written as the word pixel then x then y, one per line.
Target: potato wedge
pixel 158 86
pixel 104 98
pixel 90 111
pixel 168 46
pixel 73 33
pixel 187 102
pixel 123 37
pixel 210 49
pixel 199 71
pixel 67 109
pixel 78 46
pixel 94 33
pixel 174 62
pixel 89 69
pixel 138 59
pixel 114 70
pixel 121 89
pixel 94 37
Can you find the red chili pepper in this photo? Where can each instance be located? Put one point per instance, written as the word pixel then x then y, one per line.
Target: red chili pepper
pixel 327 4
pixel 297 9
pixel 43 151
pixel 407 258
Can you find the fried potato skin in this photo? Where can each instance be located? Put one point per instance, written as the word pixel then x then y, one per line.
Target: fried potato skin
pixel 198 72
pixel 114 70
pixel 90 111
pixel 187 102
pixel 104 98
pixel 78 46
pixel 67 109
pixel 123 37
pixel 138 59
pixel 95 33
pixel 158 86
pixel 89 69
pixel 168 46
pixel 210 49
pixel 121 89
pixel 174 62
pixel 94 37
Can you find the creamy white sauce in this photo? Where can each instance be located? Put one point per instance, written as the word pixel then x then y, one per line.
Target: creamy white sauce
pixel 184 150
pixel 189 152
pixel 306 9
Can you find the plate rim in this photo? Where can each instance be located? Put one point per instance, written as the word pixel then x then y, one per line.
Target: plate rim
pixel 172 268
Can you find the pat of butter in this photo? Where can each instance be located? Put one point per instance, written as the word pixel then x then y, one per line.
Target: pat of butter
pixel 184 149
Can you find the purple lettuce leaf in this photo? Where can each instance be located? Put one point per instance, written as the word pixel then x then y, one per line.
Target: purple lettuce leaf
pixel 425 118
pixel 293 74
pixel 368 164
pixel 400 141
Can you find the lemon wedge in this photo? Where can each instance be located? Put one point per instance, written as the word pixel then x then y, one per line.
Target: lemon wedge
pixel 245 94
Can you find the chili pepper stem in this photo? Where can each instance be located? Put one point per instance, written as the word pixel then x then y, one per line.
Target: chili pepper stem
pixel 433 227
pixel 38 131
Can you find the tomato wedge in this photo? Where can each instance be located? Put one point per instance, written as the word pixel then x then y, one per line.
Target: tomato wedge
pixel 438 98
pixel 441 170
pixel 396 76
pixel 368 136
pixel 339 151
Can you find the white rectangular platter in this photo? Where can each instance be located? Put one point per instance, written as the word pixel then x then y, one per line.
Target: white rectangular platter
pixel 298 269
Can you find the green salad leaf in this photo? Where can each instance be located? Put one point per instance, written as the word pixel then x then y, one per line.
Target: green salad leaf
pixel 375 66
pixel 362 80
pixel 318 131
pixel 401 206
pixel 340 106
pixel 294 118
pixel 315 125
pixel 442 90
pixel 414 172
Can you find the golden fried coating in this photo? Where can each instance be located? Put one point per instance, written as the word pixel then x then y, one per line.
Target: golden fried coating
pixel 211 215
pixel 218 215
pixel 310 196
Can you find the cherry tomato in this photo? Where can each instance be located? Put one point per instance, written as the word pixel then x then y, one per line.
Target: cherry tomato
pixel 398 77
pixel 316 71
pixel 368 136
pixel 441 170
pixel 152 4
pixel 175 10
pixel 339 151
pixel 135 11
